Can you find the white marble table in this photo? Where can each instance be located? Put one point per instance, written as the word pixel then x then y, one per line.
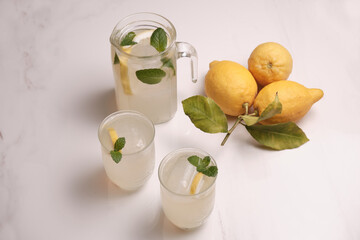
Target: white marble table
pixel 56 86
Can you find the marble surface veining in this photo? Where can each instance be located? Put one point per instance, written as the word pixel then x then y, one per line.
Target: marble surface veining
pixel 56 86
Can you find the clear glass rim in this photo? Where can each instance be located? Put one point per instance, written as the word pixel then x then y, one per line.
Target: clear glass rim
pixel 129 112
pixel 166 159
pixel 172 43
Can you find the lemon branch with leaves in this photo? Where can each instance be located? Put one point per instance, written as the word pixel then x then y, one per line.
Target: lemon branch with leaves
pixel 206 115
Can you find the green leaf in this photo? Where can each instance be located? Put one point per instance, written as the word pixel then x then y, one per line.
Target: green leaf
pixel 119 144
pixel 250 120
pixel 198 162
pixel 278 136
pixel 150 76
pixel 211 171
pixel 202 165
pixel 205 114
pixel 194 160
pixel 272 109
pixel 205 161
pixel 158 39
pixel 200 169
pixel 116 59
pixel 168 63
pixel 116 156
pixel 128 39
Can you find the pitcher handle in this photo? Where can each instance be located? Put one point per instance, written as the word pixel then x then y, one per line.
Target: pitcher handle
pixel 187 50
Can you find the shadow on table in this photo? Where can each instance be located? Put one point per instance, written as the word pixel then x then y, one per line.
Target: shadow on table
pixel 97 106
pixel 95 186
pixel 162 228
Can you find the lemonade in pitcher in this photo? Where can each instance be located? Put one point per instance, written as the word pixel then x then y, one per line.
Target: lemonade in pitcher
pixel 143 54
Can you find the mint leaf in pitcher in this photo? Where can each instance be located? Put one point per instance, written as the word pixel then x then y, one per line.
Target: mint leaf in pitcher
pixel 168 63
pixel 116 59
pixel 128 39
pixel 159 39
pixel 150 76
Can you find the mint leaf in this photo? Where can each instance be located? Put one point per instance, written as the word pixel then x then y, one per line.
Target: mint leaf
pixel 211 171
pixel 205 114
pixel 200 169
pixel 116 59
pixel 128 39
pixel 199 162
pixel 194 160
pixel 158 39
pixel 278 136
pixel 150 76
pixel 119 144
pixel 202 165
pixel 168 63
pixel 116 156
pixel 205 161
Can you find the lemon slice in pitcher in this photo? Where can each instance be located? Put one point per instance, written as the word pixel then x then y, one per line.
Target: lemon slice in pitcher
pixel 145 34
pixel 120 69
pixel 142 39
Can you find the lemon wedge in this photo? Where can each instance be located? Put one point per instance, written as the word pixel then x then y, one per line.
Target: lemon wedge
pixel 143 35
pixel 121 71
pixel 113 135
pixel 124 76
pixel 195 183
pixel 124 70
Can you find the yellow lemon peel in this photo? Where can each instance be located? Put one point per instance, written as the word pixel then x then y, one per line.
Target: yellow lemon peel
pixel 124 73
pixel 270 62
pixel 295 98
pixel 121 70
pixel 195 183
pixel 230 85
pixel 113 135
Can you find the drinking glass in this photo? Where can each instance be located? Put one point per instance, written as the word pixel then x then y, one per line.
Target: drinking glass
pixel 157 100
pixel 138 155
pixel 176 174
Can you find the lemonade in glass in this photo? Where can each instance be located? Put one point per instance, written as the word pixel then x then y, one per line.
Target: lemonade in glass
pixel 188 196
pixel 133 164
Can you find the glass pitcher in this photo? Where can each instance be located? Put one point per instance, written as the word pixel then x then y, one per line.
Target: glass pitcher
pixel 143 54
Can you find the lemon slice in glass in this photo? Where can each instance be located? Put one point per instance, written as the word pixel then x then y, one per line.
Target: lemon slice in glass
pixel 113 135
pixel 195 183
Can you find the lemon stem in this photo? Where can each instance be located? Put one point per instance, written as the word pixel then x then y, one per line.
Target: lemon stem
pixel 255 113
pixel 246 106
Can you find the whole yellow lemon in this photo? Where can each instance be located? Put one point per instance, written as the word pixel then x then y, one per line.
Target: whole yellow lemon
pixel 296 100
pixel 230 85
pixel 270 62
